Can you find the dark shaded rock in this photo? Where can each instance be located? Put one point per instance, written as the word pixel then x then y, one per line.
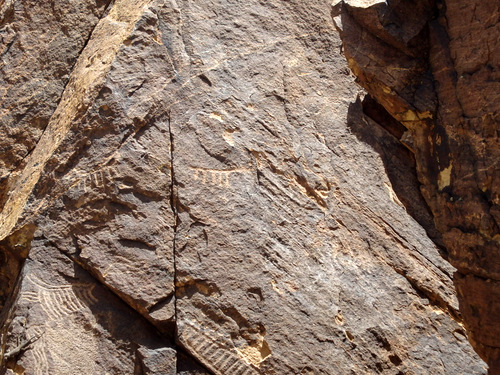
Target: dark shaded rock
pixel 434 67
pixel 77 325
pixel 158 361
pixel 13 251
pixel 186 365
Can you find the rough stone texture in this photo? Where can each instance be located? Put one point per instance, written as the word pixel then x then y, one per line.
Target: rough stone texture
pixel 77 326
pixel 434 67
pixel 208 197
pixel 39 45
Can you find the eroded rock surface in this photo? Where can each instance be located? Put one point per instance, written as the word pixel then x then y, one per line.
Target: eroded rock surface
pixel 434 66
pixel 39 44
pixel 200 203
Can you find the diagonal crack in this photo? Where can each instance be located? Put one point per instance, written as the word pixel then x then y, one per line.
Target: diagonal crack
pixel 70 71
pixel 89 73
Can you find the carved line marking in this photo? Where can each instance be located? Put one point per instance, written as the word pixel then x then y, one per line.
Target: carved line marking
pixel 59 301
pixel 30 296
pixel 121 265
pixel 42 366
pixel 219 177
pixel 37 350
pixel 98 179
pixel 218 358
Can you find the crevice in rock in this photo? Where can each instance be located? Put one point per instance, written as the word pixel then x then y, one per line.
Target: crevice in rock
pixel 107 8
pixel 16 246
pixel 14 250
pixel 162 302
pixel 174 208
pixel 5 321
pixel 379 114
pixel 186 364
pixel 373 125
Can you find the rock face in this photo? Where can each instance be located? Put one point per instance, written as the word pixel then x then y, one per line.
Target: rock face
pixel 194 188
pixel 435 68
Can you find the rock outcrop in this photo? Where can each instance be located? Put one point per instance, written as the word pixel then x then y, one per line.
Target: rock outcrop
pixel 434 67
pixel 194 188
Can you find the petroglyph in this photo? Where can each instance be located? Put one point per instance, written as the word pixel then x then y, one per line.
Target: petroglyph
pixel 122 265
pixel 59 301
pixel 212 353
pixel 61 333
pixel 36 334
pixel 218 177
pixel 99 179
pixel 41 360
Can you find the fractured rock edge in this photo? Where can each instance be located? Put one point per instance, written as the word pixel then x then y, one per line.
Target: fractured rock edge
pixel 389 64
pixel 302 184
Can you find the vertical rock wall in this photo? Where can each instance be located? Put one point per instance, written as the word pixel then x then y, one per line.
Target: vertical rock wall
pixel 199 201
pixel 434 67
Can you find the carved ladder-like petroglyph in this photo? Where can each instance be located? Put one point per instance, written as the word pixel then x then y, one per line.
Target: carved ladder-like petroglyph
pixel 217 177
pixel 97 180
pixel 217 357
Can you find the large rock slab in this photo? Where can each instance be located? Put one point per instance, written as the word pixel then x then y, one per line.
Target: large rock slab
pixel 39 44
pixel 200 203
pixel 284 218
pixel 434 67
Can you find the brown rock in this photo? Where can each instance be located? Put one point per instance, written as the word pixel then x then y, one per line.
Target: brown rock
pixel 160 361
pixel 76 325
pixel 202 182
pixel 39 44
pixel 434 67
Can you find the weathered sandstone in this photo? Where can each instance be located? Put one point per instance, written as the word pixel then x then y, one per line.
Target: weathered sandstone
pixel 434 66
pixel 206 195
